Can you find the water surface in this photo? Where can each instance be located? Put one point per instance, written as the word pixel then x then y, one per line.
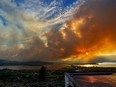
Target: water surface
pixel 96 80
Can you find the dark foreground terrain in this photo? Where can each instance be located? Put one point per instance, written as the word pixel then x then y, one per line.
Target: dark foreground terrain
pixel 54 78
pixel 25 78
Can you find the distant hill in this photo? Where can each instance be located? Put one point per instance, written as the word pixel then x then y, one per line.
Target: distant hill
pixel 30 63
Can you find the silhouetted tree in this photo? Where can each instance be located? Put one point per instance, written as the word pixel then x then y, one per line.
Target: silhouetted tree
pixel 42 73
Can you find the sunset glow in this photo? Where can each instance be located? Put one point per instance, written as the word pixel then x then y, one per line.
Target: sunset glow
pixel 88 65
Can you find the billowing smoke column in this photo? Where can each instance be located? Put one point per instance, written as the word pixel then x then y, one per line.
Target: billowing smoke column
pixel 95 25
pixel 90 32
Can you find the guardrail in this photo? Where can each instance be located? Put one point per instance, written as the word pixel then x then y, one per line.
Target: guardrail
pixel 74 83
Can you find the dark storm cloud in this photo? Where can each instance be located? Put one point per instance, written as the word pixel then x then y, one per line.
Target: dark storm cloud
pixel 99 24
pixel 57 46
pixel 99 21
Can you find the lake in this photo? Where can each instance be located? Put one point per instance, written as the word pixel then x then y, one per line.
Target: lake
pixel 96 80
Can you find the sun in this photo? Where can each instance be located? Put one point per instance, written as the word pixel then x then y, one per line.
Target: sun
pixel 87 53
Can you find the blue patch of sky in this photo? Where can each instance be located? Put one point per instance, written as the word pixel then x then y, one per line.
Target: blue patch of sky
pixel 68 2
pixel 3 21
pixel 64 4
pixel 6 8
pixel 18 2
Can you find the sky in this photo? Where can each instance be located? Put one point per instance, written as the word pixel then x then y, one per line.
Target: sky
pixel 58 30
